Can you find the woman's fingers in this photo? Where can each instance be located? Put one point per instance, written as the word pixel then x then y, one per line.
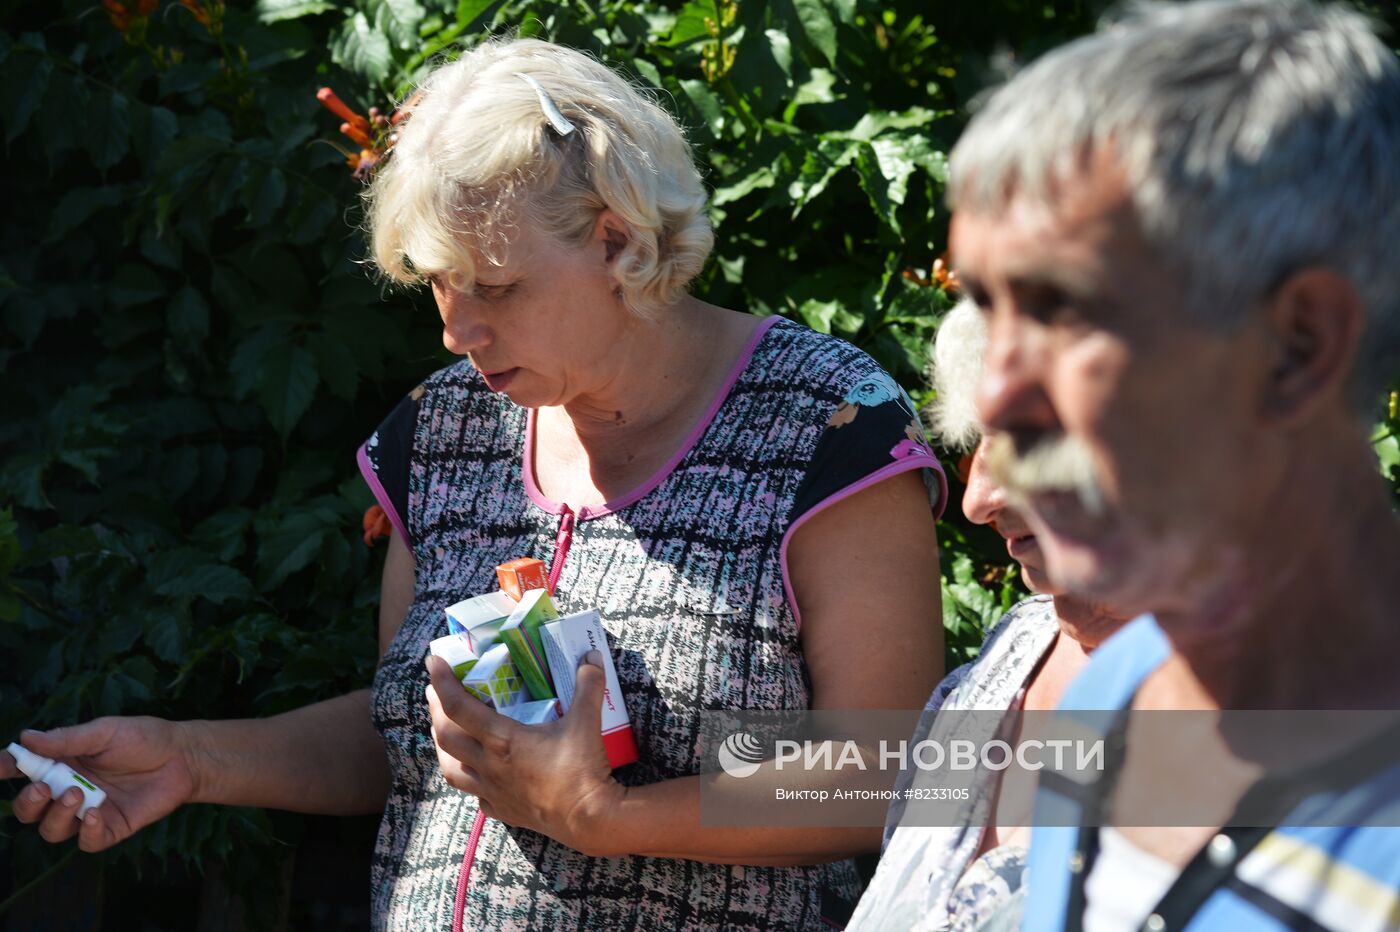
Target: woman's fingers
pixel 60 822
pixel 31 802
pixel 95 833
pixel 470 713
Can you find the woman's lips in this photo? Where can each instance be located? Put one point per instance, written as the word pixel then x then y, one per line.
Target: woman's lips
pixel 1019 547
pixel 497 381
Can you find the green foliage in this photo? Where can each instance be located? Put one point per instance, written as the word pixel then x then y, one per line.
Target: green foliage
pixel 193 348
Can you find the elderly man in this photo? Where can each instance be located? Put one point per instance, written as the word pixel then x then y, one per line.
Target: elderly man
pixel 1183 234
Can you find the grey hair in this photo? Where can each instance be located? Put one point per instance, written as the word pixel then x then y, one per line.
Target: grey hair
pixel 955 366
pixel 1256 137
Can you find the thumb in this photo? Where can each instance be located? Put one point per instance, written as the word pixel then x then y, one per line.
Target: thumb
pixel 589 685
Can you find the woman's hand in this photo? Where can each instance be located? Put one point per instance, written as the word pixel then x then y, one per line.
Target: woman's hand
pixel 142 763
pixel 553 779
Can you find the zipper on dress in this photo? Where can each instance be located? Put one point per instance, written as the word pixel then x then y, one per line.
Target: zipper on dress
pixel 562 541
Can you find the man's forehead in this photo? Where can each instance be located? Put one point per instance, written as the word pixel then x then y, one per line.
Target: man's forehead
pixel 1077 234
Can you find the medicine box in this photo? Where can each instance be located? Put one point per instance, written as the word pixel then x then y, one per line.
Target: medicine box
pixel 566 642
pixel 520 576
pixel 480 618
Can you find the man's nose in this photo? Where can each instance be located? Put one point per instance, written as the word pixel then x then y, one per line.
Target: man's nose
pixel 1011 390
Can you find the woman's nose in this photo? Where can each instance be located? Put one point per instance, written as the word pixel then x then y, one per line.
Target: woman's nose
pixel 983 499
pixel 463 331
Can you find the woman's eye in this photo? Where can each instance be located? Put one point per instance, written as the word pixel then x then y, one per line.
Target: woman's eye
pixel 493 292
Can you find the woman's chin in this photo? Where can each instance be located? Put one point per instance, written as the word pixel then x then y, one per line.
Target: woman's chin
pixel 1036 581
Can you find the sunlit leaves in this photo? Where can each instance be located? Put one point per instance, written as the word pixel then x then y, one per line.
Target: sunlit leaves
pixel 362 49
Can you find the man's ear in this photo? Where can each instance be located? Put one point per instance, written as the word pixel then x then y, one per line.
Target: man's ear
pixel 612 231
pixel 1316 318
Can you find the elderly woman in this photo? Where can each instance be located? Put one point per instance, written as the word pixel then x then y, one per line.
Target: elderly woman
pixel 968 877
pixel 745 501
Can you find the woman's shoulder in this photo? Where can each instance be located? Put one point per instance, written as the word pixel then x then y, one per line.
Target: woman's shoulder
pixel 796 355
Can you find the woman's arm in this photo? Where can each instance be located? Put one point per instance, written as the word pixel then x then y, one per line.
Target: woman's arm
pixel 865 572
pixel 323 758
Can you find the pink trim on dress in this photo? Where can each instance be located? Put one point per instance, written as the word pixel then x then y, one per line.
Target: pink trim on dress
pixel 860 485
pixel 527 466
pixel 376 488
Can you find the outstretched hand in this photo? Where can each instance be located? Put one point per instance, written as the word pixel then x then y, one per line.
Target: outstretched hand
pixel 142 764
pixel 553 779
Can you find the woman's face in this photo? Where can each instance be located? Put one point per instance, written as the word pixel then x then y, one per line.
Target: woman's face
pixel 546 327
pixel 984 502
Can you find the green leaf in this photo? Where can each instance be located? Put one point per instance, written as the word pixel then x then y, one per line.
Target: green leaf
pixel 107 132
pixel 360 48
pixel 188 76
pixel 134 284
pixel 817 89
pixel 690 22
pixel 78 205
pixel 755 180
pixel 187 316
pixel 818 314
pixel 816 22
pixel 875 185
pixel 152 130
pixel 58 131
pixel 187 572
pixel 781 45
pixel 708 103
pixel 274 11
pixel 469 10
pixel 165 633
pixel 337 365
pixel 1388 451
pixel 119 634
pixel 398 20
pixel 23 80
pixel 290 542
pixel 876 122
pixel 9 541
pixel 263 193
pixel 247 363
pixel 288 384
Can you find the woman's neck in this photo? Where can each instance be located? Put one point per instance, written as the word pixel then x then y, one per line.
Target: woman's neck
pixel 1087 623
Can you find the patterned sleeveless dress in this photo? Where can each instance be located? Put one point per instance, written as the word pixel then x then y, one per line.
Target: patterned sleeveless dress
pixel 689 574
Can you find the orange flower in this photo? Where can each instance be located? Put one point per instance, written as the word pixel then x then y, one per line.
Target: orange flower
pixel 118 14
pixel 337 106
pixel 359 136
pixel 200 13
pixel 376 525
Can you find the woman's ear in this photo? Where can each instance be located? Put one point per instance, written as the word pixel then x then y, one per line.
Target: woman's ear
pixel 1316 318
pixel 612 231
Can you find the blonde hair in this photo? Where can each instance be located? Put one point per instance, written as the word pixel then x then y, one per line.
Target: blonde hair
pixel 955 366
pixel 478 154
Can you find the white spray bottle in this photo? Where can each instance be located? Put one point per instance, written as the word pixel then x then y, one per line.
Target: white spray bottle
pixel 58 776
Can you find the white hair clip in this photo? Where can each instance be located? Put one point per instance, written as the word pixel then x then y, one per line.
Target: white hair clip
pixel 561 123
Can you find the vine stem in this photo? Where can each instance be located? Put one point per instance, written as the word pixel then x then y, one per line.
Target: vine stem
pixel 19 894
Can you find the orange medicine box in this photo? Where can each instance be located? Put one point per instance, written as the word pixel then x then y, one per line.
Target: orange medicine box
pixel 520 576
